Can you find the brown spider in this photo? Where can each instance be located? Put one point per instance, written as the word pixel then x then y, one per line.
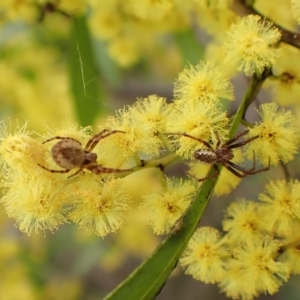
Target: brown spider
pixel 69 154
pixel 223 155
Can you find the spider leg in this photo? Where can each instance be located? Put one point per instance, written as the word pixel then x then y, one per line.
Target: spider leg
pixel 241 169
pixel 233 168
pixel 55 171
pixel 60 138
pixel 78 171
pixel 259 170
pixel 97 169
pixel 232 140
pixel 194 138
pixel 94 140
pixel 234 172
pixel 243 142
pixel 95 136
pixel 217 171
pixel 218 140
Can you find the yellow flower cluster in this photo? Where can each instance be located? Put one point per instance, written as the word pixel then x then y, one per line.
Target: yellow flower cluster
pixel 162 210
pixel 40 200
pixel 144 132
pixel 259 251
pixel 250 44
pixel 278 135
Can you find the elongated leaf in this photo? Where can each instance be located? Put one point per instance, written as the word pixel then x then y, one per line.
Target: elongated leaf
pixel 87 92
pixel 148 279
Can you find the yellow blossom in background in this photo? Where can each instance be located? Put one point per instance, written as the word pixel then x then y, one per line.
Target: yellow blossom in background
pixel 73 7
pixel 285 84
pixel 202 83
pixel 63 288
pixel 280 207
pixel 42 83
pixel 19 10
pixel 163 209
pixel 99 205
pixel 215 17
pixel 124 49
pixel 278 11
pixel 295 5
pixel 250 44
pixel 105 20
pixel 214 52
pixel 214 4
pixel 149 10
pixel 278 136
pixel 204 258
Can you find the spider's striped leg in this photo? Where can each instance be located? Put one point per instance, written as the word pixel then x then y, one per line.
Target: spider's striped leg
pixel 233 168
pixel 77 172
pixel 218 140
pixel 94 140
pixel 232 140
pixel 60 138
pixel 240 144
pixel 54 171
pixel 208 145
pixel 97 169
pixel 217 171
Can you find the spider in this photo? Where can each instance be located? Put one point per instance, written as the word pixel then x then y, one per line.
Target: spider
pixel 69 154
pixel 223 155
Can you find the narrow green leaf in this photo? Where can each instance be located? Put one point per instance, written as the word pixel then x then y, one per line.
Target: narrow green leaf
pixel 148 279
pixel 189 46
pixel 87 92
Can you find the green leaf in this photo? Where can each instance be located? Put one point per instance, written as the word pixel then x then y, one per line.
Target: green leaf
pixel 87 92
pixel 189 46
pixel 148 279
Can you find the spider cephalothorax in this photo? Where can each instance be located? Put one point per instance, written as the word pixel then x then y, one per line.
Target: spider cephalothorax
pixel 223 155
pixel 69 154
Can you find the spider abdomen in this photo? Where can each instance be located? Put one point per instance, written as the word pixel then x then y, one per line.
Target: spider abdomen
pixel 68 154
pixel 206 156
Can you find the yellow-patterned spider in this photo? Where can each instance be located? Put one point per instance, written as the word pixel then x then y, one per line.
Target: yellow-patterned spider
pixel 223 155
pixel 69 154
